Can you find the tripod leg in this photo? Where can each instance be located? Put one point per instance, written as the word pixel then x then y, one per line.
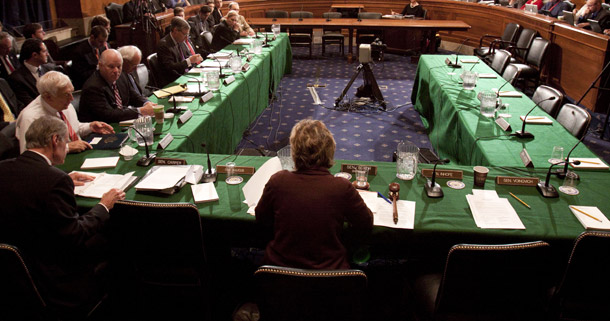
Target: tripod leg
pixel 349 84
pixel 370 78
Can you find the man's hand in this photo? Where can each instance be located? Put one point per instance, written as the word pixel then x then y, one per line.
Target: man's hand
pixel 79 179
pixel 101 127
pixel 147 109
pixel 195 59
pixel 110 197
pixel 78 146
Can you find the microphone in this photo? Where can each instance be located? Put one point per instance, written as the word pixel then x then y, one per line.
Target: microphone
pixel 221 75
pixel 149 157
pixel 174 110
pixel 209 176
pixel 199 93
pixel 456 64
pixel 499 89
pixel 561 173
pixel 522 133
pixel 433 190
pixel 547 190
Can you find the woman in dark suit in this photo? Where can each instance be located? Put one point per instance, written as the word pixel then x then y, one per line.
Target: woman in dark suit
pixel 412 9
pixel 226 31
pixel 307 208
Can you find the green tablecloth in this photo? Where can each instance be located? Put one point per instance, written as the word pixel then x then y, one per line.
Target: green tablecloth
pixel 454 123
pixel 439 223
pixel 221 121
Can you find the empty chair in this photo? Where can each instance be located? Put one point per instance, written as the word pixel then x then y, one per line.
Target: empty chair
pixel 575 119
pixel 276 14
pixel 9 145
pixel 520 48
pixel 301 37
pixel 581 294
pixel 299 294
pixel 488 43
pixel 511 73
pixel 530 70
pixel 541 96
pixel 368 35
pixel 332 36
pixel 155 74
pixel 488 282
pixel 161 261
pixel 500 61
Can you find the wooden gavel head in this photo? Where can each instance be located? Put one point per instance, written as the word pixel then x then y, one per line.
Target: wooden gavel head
pixel 394 188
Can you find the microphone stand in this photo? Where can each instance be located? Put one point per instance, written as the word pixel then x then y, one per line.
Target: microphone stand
pixel 209 176
pixel 220 75
pixel 561 173
pixel 433 190
pixel 547 190
pixel 522 133
pixel 175 109
pixel 149 157
pixel 457 54
pixel 199 93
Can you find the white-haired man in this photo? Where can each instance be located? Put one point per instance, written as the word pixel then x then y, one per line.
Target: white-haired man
pixel 55 100
pixel 132 56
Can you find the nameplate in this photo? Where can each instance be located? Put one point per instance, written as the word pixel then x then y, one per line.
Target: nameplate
pixel 517 181
pixel 443 173
pixel 350 168
pixel 163 143
pixel 185 117
pixel 205 98
pixel 526 159
pixel 503 124
pixel 245 67
pixel 249 57
pixel 247 170
pixel 229 80
pixel 169 161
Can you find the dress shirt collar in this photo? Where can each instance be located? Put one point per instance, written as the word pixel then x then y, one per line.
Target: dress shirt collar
pixel 48 108
pixel 33 69
pixel 43 156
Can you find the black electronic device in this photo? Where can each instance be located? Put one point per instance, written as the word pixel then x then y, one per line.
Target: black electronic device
pixel 432 188
pixel 209 176
pixel 457 54
pixel 149 157
pixel 545 188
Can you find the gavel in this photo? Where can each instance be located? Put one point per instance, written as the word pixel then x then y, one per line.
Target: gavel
pixel 394 188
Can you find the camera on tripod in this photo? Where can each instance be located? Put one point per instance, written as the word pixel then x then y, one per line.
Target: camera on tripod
pixel 377 49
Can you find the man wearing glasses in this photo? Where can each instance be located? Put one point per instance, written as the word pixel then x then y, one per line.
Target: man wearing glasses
pixel 176 54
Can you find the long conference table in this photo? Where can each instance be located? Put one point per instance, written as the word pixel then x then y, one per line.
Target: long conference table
pixel 429 27
pixel 458 131
pixel 221 121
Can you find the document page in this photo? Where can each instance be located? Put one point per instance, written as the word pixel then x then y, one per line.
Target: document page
pixel 385 214
pixel 100 162
pixel 590 217
pixel 204 192
pixel 102 183
pixel 253 190
pixel 493 213
pixel 163 177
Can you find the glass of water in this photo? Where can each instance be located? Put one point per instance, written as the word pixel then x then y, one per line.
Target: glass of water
pixel 276 29
pixel 406 162
pixel 213 78
pixel 235 63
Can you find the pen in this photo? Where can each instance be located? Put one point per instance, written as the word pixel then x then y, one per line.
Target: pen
pixel 589 215
pixel 534 118
pixel 385 198
pixel 518 199
pixel 588 162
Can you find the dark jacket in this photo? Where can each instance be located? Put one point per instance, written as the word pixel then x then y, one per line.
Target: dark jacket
pixel 98 102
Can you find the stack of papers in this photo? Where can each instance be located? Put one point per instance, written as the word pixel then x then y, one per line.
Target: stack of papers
pixel 214 64
pixel 253 190
pixel 469 60
pixel 103 182
pixel 243 41
pixel 592 163
pixel 510 93
pixel 592 218
pixel 221 55
pixel 482 75
pixel 492 212
pixel 383 212
pixel 100 162
pixel 170 90
pixel 537 120
pixel 205 192
pixel 168 179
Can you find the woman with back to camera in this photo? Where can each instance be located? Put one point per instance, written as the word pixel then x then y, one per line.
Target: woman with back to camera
pixel 307 208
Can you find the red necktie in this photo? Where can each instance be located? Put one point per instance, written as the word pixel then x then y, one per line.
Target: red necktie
pixel 117 97
pixel 71 132
pixel 8 63
pixel 188 44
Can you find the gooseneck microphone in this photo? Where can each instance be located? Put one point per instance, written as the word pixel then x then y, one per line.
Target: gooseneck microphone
pixel 149 157
pixel 561 173
pixel 522 133
pixel 209 176
pixel 220 74
pixel 457 54
pixel 199 93
pixel 433 190
pixel 545 188
pixel 174 110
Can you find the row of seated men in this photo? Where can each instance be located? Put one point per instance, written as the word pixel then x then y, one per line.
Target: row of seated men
pixel 591 10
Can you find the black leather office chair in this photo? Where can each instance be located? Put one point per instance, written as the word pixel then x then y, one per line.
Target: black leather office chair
pixel 367 36
pixel 300 294
pixel 114 13
pixel 276 14
pixel 153 64
pixel 582 294
pixel 332 36
pixel 520 49
pixel 488 43
pixel 301 37
pixel 575 119
pixel 161 261
pixel 488 282
pixel 511 74
pixel 543 93
pixel 530 70
pixel 500 61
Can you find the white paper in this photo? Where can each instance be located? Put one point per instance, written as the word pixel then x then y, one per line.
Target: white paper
pixel 221 55
pixel 469 60
pixel 102 183
pixel 194 174
pixel 195 70
pixel 243 41
pixel 512 93
pixel 537 120
pixel 482 75
pixel 385 214
pixel 493 213
pixel 589 162
pixel 100 162
pixel 485 194
pixel 370 199
pixel 588 222
pixel 205 192
pixel 95 140
pixel 253 190
pixel 211 63
pixel 185 99
pixel 162 178
pixel 194 88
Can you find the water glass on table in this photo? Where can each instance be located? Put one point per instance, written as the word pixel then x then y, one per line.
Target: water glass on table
pixel 407 156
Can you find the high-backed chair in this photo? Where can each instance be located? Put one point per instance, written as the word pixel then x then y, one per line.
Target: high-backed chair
pixel 488 282
pixel 575 119
pixel 500 61
pixel 530 70
pixel 522 46
pixel 114 12
pixel 299 294
pixel 488 43
pixel 301 37
pixel 367 36
pixel 510 74
pixel 143 76
pixel 541 96
pixel 155 75
pixel 9 145
pixel 76 102
pixel 581 294
pixel 161 260
pixel 276 14
pixel 332 36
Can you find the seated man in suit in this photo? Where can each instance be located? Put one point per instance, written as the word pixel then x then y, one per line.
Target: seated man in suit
pixel 178 12
pixel 33 59
pixel 108 96
pixel 201 30
pixel 226 32
pixel 594 11
pixel 35 30
pixel 132 56
pixel 86 56
pixel 9 108
pixel 554 7
pixel 244 27
pixel 55 100
pixel 39 216
pixel 8 59
pixel 175 53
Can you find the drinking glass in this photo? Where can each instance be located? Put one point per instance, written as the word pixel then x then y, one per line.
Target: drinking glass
pixel 556 155
pixel 276 29
pixel 362 178
pixel 235 63
pixel 144 126
pixel 286 158
pixel 569 184
pixel 469 79
pixel 488 103
pixel 406 161
pixel 213 78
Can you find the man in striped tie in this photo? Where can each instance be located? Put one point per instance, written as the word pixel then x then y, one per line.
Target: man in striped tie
pixel 55 100
pixel 175 52
pixel 8 60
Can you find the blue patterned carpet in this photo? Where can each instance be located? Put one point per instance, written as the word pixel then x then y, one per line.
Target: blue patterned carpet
pixel 366 135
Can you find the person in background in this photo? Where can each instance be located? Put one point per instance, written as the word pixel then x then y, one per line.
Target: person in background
pixel 554 7
pixel 244 27
pixel 132 56
pixel 177 4
pixel 40 217
pixel 306 208
pixel 86 56
pixel 178 12
pixel 413 8
pixel 174 52
pixel 202 30
pixel 594 11
pixel 55 100
pixel 226 31
pixel 216 15
pixel 8 60
pixel 101 21
pixel 33 58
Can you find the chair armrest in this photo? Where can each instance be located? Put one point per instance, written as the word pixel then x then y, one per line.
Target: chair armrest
pixel 487 36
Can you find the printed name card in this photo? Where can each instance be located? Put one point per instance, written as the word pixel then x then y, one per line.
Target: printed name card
pixel 169 161
pixel 350 168
pixel 443 173
pixel 248 170
pixel 517 181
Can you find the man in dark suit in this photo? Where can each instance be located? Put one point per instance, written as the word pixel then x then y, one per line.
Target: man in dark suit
pixel 216 15
pixel 9 108
pixel 39 216
pixel 107 95
pixel 86 56
pixel 132 56
pixel 8 59
pixel 12 103
pixel 201 30
pixel 594 11
pixel 33 59
pixel 175 55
